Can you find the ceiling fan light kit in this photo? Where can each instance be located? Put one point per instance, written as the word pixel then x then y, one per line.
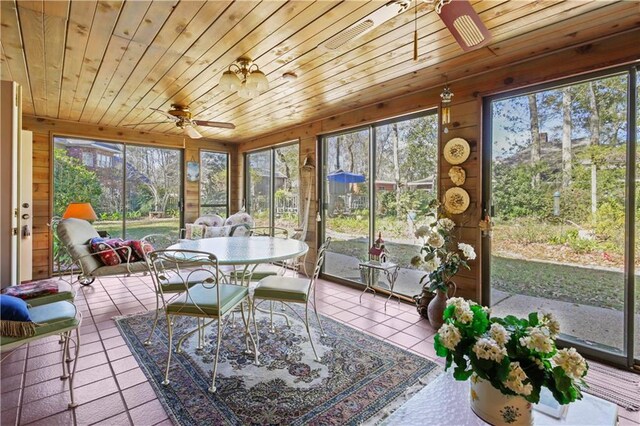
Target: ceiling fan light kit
pixel 245 78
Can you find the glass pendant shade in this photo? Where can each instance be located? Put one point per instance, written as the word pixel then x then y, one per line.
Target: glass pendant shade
pixel 229 81
pixel 256 80
pixel 246 93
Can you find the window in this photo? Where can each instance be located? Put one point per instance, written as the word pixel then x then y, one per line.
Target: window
pixel 558 182
pixel 214 183
pixel 87 159
pixel 272 186
pixel 103 160
pixel 376 181
pixel 132 199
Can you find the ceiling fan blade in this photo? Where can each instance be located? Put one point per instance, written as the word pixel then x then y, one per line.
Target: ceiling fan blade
pixel 165 113
pixel 465 25
pixel 143 124
pixel 214 124
pixel 191 132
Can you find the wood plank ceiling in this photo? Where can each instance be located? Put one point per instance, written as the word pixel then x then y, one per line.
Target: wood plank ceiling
pixel 108 62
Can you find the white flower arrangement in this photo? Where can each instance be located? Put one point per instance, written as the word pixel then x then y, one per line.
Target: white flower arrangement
pixel 518 356
pixel 439 256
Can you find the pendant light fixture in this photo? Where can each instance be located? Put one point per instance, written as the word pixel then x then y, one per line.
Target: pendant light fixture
pixel 244 77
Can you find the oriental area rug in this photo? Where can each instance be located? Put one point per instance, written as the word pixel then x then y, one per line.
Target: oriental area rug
pixel 360 379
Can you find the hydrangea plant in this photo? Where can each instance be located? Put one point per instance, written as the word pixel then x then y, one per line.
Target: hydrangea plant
pixel 517 355
pixel 439 255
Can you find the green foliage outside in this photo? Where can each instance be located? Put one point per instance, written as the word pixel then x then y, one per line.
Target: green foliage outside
pixel 72 182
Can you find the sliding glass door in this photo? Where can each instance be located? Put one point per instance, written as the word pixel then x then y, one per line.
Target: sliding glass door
pixel 377 182
pixel 560 186
pixel 272 186
pixel 134 190
pixel 153 192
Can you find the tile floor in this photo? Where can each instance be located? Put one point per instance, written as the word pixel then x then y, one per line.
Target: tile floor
pixel 111 389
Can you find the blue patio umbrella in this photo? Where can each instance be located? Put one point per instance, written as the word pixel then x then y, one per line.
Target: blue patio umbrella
pixel 345 177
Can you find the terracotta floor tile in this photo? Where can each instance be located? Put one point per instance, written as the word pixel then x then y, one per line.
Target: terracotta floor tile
pixel 47 360
pixel 363 323
pixel 8 369
pixel 109 332
pixel 63 418
pixel 89 361
pixel 403 339
pixel 10 399
pixel 9 416
pixel 377 316
pixel 131 378
pixel 397 323
pixel 91 375
pixel 40 375
pixel 99 409
pixel 344 304
pixel 113 342
pixel 329 310
pixel 382 330
pixel 96 390
pixel 417 331
pixel 425 348
pixel 117 353
pixel 124 364
pixel 360 310
pixel 121 419
pixel 138 394
pixel 148 414
pixel 44 407
pixel 344 316
pixel 44 389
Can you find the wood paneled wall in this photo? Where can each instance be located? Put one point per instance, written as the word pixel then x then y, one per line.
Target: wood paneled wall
pixel 466 117
pixel 43 131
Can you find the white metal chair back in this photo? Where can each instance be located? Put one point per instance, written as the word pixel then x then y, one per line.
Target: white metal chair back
pixel 181 268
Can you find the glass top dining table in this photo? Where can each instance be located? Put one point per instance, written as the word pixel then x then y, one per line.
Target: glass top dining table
pixel 245 250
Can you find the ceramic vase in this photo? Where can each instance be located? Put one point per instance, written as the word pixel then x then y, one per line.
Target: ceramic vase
pixel 436 309
pixel 498 409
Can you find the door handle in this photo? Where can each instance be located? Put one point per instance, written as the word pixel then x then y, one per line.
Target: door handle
pixel 26 232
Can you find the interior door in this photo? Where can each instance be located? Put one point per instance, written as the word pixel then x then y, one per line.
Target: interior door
pixel 26 206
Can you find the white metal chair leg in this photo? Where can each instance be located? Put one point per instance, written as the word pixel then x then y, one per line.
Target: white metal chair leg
pixel 73 403
pixel 155 321
pixel 169 350
pixel 255 325
pixel 212 389
pixel 248 332
pixel 65 356
pixel 306 324
pixel 315 310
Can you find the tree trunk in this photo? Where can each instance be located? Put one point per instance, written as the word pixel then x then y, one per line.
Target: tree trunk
pixel 396 166
pixel 566 138
pixel 594 127
pixel 535 137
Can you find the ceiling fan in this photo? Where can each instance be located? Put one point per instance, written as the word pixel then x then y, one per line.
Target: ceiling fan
pixel 181 116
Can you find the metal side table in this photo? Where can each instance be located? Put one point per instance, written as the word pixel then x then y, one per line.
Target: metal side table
pixel 390 271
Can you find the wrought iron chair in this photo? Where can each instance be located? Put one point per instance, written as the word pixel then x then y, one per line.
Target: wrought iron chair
pixel 292 290
pixel 209 298
pixel 56 318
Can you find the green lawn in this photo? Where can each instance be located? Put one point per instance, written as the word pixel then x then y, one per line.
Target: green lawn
pixel 137 229
pixel 595 287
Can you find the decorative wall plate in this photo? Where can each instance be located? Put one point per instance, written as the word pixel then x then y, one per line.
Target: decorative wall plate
pixel 457 175
pixel 456 200
pixel 456 151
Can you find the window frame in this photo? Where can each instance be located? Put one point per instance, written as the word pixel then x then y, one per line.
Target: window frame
pixel 228 182
pixel 246 202
pixel 628 359
pixel 372 170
